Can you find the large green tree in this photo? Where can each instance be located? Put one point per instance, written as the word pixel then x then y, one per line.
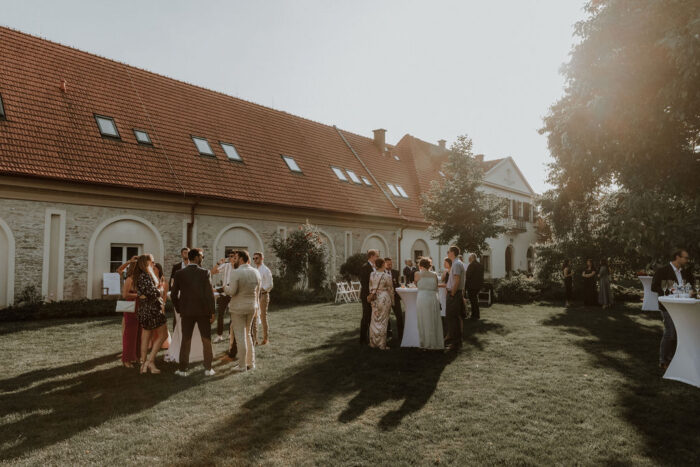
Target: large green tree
pixel 459 212
pixel 625 136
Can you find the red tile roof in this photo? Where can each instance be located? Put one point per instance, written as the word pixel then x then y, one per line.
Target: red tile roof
pixel 53 134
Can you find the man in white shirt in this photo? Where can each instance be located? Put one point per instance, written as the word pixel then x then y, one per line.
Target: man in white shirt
pixel 223 267
pixel 265 288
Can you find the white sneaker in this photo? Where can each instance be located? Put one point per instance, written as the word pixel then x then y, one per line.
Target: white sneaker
pixel 218 339
pixel 209 372
pixel 250 367
pixel 181 373
pixel 238 369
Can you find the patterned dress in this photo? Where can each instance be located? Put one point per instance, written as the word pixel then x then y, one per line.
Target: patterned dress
pixel 382 283
pixel 149 308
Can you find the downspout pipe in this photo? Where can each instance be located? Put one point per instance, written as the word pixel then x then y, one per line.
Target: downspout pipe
pixel 190 224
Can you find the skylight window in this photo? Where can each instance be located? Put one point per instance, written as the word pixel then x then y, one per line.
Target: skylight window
pixel 339 173
pixel 292 164
pixel 107 126
pixel 231 152
pixel 203 146
pixel 142 137
pixel 396 157
pixel 393 189
pixel 2 108
pixel 442 174
pixel 402 191
pixel 366 180
pixel 354 177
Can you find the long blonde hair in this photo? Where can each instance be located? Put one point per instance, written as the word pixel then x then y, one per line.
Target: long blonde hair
pixel 141 267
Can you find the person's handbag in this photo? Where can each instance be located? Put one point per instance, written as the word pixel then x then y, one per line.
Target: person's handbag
pixel 125 306
pixel 373 296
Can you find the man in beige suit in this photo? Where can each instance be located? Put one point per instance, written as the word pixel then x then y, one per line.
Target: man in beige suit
pixel 244 289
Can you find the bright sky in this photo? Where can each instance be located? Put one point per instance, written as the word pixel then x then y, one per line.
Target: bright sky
pixel 434 69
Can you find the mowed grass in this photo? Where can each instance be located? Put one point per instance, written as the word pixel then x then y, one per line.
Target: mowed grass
pixel 533 385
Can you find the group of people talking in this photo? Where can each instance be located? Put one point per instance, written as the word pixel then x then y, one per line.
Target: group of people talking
pixel 379 297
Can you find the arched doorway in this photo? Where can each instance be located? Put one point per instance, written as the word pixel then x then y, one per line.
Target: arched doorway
pixel 376 242
pixel 115 241
pixel 419 249
pixel 509 260
pixel 236 237
pixel 7 267
pixel 530 259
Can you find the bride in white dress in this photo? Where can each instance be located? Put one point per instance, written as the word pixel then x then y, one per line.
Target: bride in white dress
pixel 196 349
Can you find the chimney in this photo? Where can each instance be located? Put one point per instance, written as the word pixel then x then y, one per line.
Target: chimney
pixel 441 143
pixel 64 86
pixel 479 158
pixel 380 139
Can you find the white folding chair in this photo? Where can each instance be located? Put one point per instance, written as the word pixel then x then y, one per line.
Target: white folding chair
pixel 355 286
pixel 342 293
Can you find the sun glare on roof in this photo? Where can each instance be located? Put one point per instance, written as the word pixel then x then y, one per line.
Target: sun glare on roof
pixel 353 176
pixel 393 189
pixel 203 146
pixel 231 152
pixel 292 164
pixel 339 173
pixel 107 126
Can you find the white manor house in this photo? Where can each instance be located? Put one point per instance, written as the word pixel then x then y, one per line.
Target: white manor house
pixel 100 160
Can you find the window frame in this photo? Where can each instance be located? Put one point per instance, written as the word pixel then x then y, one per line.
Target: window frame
pixel 354 178
pixel 401 191
pixel 393 190
pixel 365 180
pixel 224 143
pixel 194 138
pixel 339 174
pixel 99 128
pixel 125 255
pixel 145 143
pixel 285 159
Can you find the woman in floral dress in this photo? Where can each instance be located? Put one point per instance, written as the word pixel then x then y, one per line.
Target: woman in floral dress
pixel 382 290
pixel 150 311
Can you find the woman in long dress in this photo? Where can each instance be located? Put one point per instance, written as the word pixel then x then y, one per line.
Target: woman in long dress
pixel 590 297
pixel 428 308
pixel 131 331
pixel 382 286
pixel 605 294
pixel 163 286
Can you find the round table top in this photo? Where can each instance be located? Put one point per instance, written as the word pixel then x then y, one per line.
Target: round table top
pixel 684 301
pixel 407 289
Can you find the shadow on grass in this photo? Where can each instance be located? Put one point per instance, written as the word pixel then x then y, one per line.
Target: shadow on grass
pixel 666 412
pixel 10 327
pixel 336 368
pixel 43 407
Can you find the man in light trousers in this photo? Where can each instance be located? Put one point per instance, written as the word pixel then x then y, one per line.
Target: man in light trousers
pixel 244 289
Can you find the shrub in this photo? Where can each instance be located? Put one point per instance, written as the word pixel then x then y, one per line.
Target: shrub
pixel 302 258
pixel 517 289
pixel 350 269
pixel 29 295
pixel 62 309
pixel 284 294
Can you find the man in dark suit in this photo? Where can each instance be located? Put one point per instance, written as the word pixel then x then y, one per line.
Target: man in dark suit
pixel 398 312
pixel 366 271
pixel 177 266
pixel 193 298
pixel 409 271
pixel 474 283
pixel 672 271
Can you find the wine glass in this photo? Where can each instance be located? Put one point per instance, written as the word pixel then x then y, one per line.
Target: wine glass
pixel 664 286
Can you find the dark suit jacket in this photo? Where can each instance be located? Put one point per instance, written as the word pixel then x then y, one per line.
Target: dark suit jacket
pixel 191 293
pixel 176 268
pixel 474 277
pixel 665 273
pixel 408 273
pixel 395 279
pixel 365 272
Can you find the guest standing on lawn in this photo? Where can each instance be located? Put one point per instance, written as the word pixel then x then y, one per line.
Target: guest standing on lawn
pixel 473 284
pixel 266 285
pixel 382 300
pixel 131 331
pixel 244 289
pixel 163 286
pixel 455 300
pixel 605 298
pixel 398 312
pixel 224 266
pixel 428 308
pixel 590 298
pixel 568 274
pixel 150 311
pixel 365 273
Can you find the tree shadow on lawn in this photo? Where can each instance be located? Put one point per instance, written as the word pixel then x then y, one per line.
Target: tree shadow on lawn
pixel 44 407
pixel 11 327
pixel 666 412
pixel 341 368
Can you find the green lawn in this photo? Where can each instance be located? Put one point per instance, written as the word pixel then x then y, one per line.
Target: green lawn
pixel 533 385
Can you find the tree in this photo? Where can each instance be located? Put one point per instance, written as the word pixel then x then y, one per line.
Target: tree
pixel 457 209
pixel 351 268
pixel 302 257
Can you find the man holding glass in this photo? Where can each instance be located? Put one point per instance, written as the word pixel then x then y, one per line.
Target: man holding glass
pixel 664 277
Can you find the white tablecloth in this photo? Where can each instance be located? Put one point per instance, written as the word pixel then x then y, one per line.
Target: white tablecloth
pixel 685 313
pixel 442 296
pixel 410 325
pixel 651 299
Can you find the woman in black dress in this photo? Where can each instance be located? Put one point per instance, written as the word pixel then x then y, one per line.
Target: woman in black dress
pixel 568 283
pixel 590 297
pixel 150 311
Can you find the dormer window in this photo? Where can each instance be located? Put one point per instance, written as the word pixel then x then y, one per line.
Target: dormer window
pixel 231 152
pixel 339 173
pixel 366 181
pixel 107 126
pixel 292 164
pixel 2 109
pixel 203 146
pixel 401 191
pixel 393 189
pixel 353 176
pixel 142 137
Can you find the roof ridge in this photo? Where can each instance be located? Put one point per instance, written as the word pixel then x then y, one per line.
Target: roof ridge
pixel 198 86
